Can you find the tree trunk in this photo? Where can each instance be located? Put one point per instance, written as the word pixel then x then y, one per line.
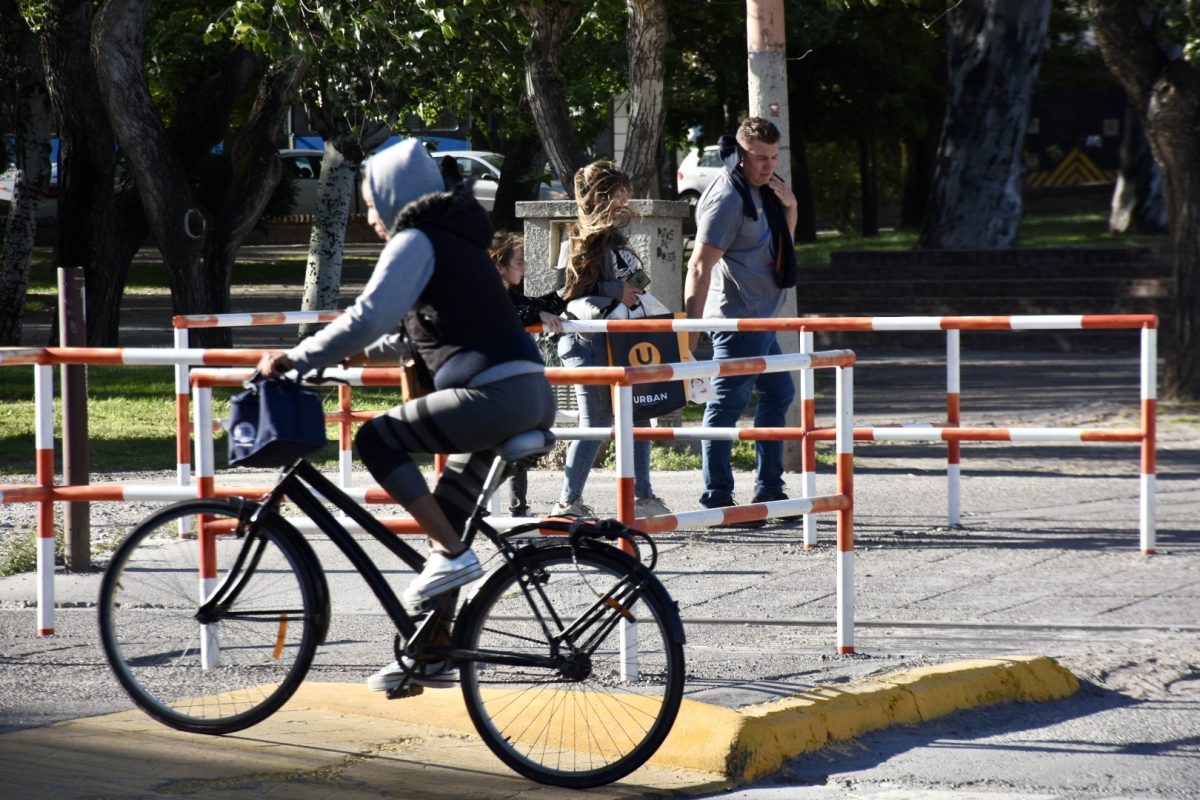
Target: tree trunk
pixel 254 151
pixel 33 126
pixel 994 53
pixel 550 23
pixel 1165 91
pixel 198 244
pixel 345 150
pixel 646 46
pixel 1138 205
pixel 521 157
pixel 100 225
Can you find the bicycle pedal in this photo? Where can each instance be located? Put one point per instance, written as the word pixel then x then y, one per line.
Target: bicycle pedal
pixel 405 690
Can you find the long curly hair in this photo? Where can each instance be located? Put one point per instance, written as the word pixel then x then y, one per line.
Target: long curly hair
pixel 597 227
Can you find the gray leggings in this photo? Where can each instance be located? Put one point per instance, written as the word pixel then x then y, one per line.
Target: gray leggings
pixel 466 423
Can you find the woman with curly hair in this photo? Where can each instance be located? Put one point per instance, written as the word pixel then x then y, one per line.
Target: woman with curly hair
pixel 599 263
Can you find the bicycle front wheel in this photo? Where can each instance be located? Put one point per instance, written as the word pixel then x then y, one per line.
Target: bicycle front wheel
pixel 609 674
pixel 228 673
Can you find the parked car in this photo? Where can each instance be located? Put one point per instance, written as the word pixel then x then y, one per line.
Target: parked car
pixel 696 172
pixel 303 165
pixel 484 167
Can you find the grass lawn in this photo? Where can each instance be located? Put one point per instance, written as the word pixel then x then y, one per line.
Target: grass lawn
pixel 1066 230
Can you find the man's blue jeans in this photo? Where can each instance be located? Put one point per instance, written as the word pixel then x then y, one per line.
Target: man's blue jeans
pixel 775 393
pixel 595 411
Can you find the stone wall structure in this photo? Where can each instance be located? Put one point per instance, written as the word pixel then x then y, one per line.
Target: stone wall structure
pixel 656 234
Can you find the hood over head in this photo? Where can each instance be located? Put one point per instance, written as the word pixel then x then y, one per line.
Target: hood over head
pixel 400 174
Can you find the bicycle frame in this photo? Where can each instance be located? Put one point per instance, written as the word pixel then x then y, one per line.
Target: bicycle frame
pixel 304 486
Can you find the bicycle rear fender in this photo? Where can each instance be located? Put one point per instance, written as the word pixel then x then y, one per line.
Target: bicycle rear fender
pixel 650 581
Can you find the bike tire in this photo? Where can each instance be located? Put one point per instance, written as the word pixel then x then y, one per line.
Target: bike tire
pixel 224 676
pixel 577 730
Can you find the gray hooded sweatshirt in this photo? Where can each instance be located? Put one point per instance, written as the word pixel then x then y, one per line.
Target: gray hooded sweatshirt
pixel 395 177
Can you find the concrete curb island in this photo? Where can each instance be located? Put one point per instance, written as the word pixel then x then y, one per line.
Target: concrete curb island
pixel 751 742
pixel 339 739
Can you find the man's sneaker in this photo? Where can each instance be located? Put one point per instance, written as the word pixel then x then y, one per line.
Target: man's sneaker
pixel 519 511
pixel 758 498
pixel 441 574
pixel 651 506
pixel 575 508
pixel 433 674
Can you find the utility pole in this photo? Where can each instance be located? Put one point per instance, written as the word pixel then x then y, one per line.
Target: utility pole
pixel 766 49
pixel 766 52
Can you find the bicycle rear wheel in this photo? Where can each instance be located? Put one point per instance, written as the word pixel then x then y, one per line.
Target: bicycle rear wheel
pixel 222 676
pixel 605 707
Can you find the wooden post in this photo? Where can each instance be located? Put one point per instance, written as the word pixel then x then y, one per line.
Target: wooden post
pixel 72 332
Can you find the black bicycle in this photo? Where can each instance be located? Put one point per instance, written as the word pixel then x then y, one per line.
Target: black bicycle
pixel 569 651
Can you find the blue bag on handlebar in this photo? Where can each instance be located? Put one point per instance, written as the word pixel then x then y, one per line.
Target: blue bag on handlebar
pixel 273 423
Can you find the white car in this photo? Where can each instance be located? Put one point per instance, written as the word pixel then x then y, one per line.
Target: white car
pixel 484 167
pixel 304 165
pixel 696 172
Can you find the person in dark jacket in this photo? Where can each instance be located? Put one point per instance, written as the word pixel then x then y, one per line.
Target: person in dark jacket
pixel 508 254
pixel 434 279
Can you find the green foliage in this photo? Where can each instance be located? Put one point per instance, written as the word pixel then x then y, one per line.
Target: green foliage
pixel 833 167
pixel 1181 20
pixel 1072 59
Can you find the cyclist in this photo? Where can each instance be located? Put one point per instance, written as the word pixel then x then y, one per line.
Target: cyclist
pixel 436 282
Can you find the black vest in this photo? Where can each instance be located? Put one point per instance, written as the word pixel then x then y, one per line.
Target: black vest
pixel 463 322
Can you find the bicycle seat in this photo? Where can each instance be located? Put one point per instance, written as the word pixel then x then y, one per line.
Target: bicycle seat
pixel 526 445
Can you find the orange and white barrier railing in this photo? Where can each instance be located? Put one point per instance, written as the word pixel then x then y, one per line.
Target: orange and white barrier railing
pixel 624 378
pixel 45 493
pixel 949 431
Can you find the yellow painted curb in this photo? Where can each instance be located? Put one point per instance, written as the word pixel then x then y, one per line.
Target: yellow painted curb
pixel 777 731
pixel 754 741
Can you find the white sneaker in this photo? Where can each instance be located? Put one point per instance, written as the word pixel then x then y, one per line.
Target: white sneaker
pixel 575 508
pixel 651 506
pixel 441 574
pixel 433 674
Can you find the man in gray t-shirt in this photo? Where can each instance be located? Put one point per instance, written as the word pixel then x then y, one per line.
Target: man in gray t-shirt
pixel 733 274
